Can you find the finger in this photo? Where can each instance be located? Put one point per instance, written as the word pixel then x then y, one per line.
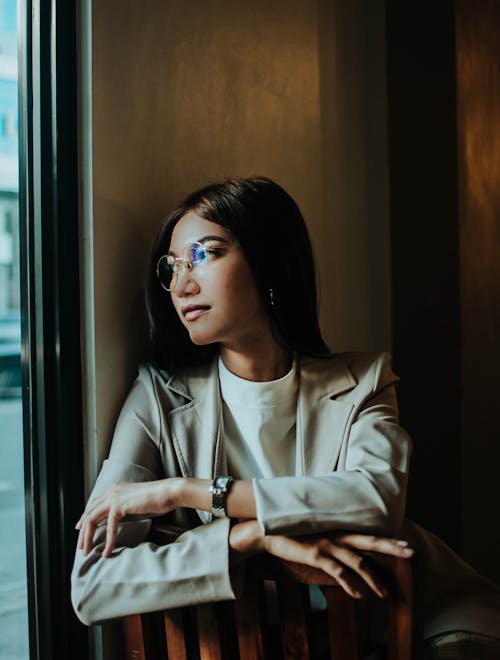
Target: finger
pixel 91 522
pixel 93 505
pixel 79 544
pixel 89 510
pixel 343 576
pixel 386 546
pixel 82 532
pixel 361 566
pixel 88 536
pixel 111 532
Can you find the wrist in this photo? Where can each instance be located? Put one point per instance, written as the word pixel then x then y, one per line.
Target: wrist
pixel 219 490
pixel 257 538
pixel 174 492
pixel 246 538
pixel 191 493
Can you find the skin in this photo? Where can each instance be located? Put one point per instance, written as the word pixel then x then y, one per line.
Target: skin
pixel 219 302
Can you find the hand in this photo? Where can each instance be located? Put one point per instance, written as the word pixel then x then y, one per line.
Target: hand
pixel 333 553
pixel 148 499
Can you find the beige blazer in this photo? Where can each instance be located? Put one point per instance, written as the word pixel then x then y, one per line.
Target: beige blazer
pixel 351 473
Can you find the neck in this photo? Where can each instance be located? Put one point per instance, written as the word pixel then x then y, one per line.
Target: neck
pixel 262 364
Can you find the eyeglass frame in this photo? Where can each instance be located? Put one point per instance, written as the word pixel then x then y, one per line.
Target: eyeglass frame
pixel 181 261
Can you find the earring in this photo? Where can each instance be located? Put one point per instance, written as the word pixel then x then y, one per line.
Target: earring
pixel 271 297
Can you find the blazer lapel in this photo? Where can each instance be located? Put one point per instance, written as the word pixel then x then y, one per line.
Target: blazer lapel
pixel 195 426
pixel 321 419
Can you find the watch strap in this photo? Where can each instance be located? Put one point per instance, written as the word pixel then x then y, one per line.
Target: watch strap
pixel 219 489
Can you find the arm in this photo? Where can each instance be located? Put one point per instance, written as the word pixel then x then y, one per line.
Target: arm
pixel 366 493
pixel 339 555
pixel 146 577
pixel 137 575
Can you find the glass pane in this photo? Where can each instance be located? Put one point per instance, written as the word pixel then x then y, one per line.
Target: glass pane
pixel 13 582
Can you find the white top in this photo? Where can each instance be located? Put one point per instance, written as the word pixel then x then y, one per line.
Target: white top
pixel 259 421
pixel 259 424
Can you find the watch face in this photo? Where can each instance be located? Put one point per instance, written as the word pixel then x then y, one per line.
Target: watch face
pixel 220 484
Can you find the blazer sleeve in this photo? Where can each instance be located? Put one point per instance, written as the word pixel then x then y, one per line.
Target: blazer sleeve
pixel 140 576
pixel 366 491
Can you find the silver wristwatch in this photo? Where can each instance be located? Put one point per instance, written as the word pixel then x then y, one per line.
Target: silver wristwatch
pixel 219 488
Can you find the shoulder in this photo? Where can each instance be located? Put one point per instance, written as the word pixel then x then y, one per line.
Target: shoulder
pixel 372 369
pixel 363 373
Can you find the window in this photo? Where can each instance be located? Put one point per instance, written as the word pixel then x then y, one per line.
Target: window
pixel 14 633
pixel 40 388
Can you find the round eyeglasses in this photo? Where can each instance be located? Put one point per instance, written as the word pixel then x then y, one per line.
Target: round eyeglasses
pixel 169 268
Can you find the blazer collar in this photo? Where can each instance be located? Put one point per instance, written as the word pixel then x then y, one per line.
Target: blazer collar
pixel 329 376
pixel 191 384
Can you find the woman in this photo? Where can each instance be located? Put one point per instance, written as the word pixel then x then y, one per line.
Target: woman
pixel 242 384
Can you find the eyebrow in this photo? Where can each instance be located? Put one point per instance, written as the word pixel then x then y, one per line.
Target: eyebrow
pixel 204 240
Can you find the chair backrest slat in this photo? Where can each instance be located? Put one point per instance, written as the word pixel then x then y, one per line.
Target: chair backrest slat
pixel 342 625
pixel 208 632
pixel 293 605
pixel 249 622
pixel 134 640
pixel 403 641
pixel 174 632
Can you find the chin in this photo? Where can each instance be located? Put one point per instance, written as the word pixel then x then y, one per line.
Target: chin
pixel 201 339
pixel 203 332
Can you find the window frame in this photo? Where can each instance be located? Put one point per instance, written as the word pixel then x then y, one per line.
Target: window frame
pixel 50 319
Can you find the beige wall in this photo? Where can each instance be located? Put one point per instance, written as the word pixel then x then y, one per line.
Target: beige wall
pixel 185 92
pixel 190 91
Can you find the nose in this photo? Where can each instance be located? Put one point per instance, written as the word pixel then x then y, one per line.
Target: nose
pixel 187 283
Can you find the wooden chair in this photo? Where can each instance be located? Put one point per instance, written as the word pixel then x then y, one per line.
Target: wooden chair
pixel 236 630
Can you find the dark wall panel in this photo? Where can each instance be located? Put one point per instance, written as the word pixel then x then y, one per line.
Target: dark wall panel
pixel 478 96
pixel 424 252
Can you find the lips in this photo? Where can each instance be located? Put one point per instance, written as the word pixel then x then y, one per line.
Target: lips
pixel 192 312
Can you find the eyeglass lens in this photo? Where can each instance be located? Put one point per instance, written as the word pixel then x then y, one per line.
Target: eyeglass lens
pixel 169 267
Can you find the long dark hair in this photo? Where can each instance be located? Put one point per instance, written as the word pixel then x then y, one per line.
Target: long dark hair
pixel 273 237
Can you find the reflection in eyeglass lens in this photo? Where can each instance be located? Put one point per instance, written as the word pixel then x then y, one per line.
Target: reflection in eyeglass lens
pixel 169 266
pixel 197 254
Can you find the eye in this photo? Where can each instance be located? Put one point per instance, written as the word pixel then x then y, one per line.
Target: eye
pixel 214 251
pixel 198 254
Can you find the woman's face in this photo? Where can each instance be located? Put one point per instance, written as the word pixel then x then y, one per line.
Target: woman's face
pixel 216 301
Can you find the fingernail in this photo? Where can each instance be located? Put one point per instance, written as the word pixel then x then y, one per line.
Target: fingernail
pixel 383 593
pixel 357 594
pixel 407 552
pixel 402 544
